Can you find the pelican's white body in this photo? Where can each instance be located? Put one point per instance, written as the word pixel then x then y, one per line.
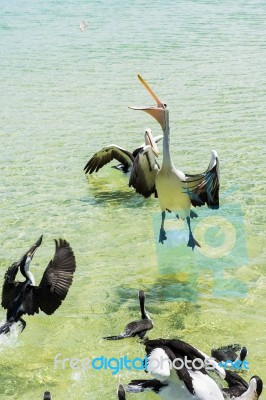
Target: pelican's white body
pixel 161 368
pixel 205 388
pixel 172 191
pixel 169 181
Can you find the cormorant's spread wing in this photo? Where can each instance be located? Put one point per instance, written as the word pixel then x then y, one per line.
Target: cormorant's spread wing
pixel 107 154
pixel 144 171
pixel 57 278
pixel 204 188
pixel 11 288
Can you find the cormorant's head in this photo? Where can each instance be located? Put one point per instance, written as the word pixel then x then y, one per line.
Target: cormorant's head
pixel 47 396
pixel 256 385
pixel 243 353
pixel 28 256
pixel 159 111
pixel 121 394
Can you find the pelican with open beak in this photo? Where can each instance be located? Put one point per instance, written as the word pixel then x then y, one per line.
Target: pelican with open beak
pixel 177 191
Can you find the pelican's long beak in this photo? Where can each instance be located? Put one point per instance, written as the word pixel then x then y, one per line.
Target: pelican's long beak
pixel 157 112
pixel 149 139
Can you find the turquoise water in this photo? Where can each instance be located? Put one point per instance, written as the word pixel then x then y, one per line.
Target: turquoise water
pixel 65 94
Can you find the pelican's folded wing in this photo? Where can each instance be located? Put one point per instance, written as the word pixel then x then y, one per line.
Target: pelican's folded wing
pixel 144 171
pixel 204 188
pixel 234 379
pixel 106 155
pixel 57 278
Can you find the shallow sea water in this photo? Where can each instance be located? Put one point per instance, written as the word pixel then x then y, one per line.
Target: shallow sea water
pixel 65 94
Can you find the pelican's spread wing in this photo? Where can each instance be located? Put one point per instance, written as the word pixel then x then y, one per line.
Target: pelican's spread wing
pixel 144 171
pixel 107 154
pixel 204 188
pixel 11 288
pixel 56 279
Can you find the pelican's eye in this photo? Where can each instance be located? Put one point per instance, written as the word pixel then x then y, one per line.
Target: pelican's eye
pixel 165 105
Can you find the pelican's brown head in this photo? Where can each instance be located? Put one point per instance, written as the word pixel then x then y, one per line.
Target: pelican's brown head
pixel 150 141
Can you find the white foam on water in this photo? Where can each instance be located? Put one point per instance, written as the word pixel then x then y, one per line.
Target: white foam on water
pixel 10 339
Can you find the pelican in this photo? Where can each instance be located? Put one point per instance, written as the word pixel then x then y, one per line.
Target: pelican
pixel 20 298
pixel 226 353
pixel 182 383
pixel 136 328
pixel 125 158
pixel 239 389
pixel 176 191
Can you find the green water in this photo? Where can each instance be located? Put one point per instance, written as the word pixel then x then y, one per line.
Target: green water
pixel 65 94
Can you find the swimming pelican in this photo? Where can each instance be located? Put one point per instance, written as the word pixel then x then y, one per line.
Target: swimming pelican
pixel 226 353
pixel 173 379
pixel 176 191
pixel 125 158
pixel 136 328
pixel 20 298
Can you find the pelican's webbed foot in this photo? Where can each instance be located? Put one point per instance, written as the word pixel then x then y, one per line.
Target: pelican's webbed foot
pixel 162 236
pixel 192 242
pixel 193 214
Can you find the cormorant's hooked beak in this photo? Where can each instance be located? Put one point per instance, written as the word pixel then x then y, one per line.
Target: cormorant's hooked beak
pixel 30 253
pixel 157 112
pixel 33 249
pixel 149 140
